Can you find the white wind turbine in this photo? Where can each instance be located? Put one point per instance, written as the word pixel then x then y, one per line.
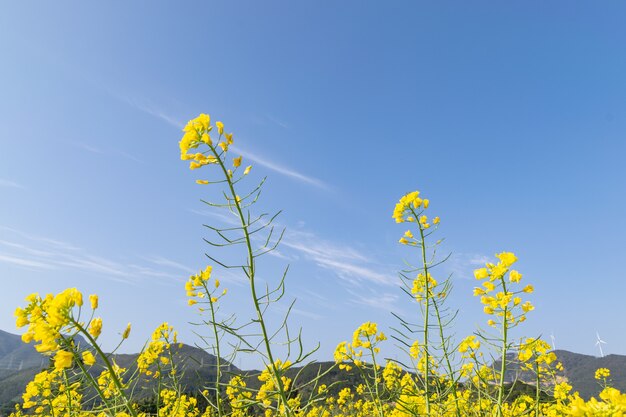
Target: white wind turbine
pixel 553 342
pixel 599 343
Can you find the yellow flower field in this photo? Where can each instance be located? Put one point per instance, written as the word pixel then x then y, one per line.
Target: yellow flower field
pixel 438 374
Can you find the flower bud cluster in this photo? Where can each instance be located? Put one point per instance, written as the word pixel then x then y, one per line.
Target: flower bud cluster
pixel 198 288
pixel 269 392
pixel 410 209
pixel 367 337
pixel 496 295
pixel 158 352
pixel 536 356
pixel 50 394
pixel 421 284
pixel 50 320
pixel 198 132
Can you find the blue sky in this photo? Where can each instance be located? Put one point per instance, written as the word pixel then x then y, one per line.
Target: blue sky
pixel 510 117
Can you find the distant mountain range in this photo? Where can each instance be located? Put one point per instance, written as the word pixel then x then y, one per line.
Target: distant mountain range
pixel 16 355
pixel 578 370
pixel 19 362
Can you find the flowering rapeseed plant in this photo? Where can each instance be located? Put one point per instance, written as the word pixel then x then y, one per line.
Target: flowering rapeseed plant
pixel 439 378
pixel 201 149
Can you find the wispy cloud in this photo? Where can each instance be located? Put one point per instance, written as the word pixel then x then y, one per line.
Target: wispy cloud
pixel 146 106
pixel 222 217
pixel 282 310
pixel 44 240
pixel 17 260
pixel 268 119
pixel 128 156
pixel 9 184
pixel 353 273
pixel 25 249
pixel 315 295
pixel 161 261
pixel 308 314
pixel 89 148
pixel 347 263
pixel 384 301
pixel 462 265
pixel 231 220
pixel 282 169
pixel 36 252
pixel 93 149
pixel 351 265
pixel 277 122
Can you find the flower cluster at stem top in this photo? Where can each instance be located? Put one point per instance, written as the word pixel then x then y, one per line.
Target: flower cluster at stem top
pixel 410 209
pixel 365 337
pixel 496 294
pixel 199 291
pixel 198 132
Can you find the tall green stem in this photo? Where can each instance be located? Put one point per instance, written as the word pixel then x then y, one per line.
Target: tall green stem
pixel 251 275
pixel 218 359
pixel 537 390
pixel 426 319
pixel 376 383
pixel 446 356
pixel 504 349
pixel 90 378
pixel 109 366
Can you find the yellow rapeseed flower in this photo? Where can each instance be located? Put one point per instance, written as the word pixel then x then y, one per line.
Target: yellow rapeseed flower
pixel 63 359
pixel 206 274
pixel 95 328
pixel 126 332
pixel 93 300
pixel 204 121
pixel 28 337
pixel 481 273
pixel 88 358
pixel 46 318
pixel 21 317
pixel 602 373
pixel 515 276
pixel 527 306
pixel 507 258
pixel 469 343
